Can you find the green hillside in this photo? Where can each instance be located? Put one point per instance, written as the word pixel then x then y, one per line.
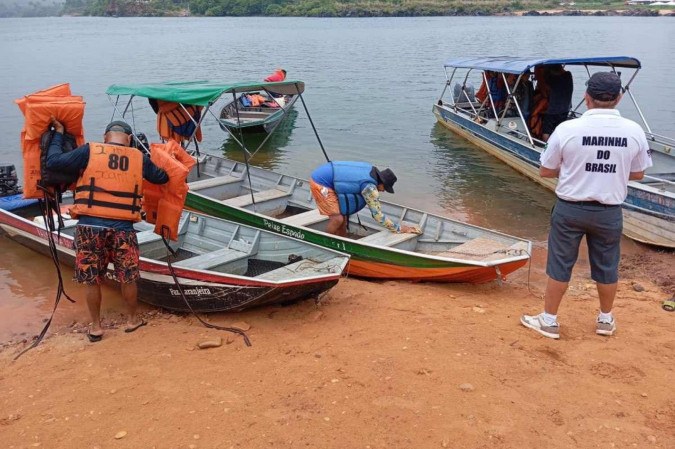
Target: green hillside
pixel 302 8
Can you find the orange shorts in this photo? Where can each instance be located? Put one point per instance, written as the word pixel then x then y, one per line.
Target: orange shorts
pixel 325 198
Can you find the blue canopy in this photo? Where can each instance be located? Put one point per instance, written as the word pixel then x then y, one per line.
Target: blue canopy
pixel 510 64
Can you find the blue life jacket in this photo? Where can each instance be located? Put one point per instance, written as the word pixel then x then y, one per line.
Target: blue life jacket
pixel 349 179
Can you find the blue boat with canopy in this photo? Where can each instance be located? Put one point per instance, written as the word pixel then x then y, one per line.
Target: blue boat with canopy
pixel 505 126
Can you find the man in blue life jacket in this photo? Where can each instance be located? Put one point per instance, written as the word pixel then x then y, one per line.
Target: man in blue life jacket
pixel 342 188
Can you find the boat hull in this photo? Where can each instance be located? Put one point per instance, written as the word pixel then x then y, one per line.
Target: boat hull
pixel 646 215
pixel 474 275
pixel 205 292
pixel 367 261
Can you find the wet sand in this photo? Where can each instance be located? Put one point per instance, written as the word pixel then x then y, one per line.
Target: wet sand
pixel 374 365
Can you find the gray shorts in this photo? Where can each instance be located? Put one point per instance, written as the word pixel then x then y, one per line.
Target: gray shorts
pixel 602 226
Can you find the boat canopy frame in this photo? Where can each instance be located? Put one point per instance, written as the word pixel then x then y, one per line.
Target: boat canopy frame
pixel 206 94
pixel 522 66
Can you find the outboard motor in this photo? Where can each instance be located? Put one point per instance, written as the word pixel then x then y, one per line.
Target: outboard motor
pixel 9 182
pixel 468 95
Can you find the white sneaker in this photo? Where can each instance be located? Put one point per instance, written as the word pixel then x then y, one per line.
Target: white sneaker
pixel 603 328
pixel 537 323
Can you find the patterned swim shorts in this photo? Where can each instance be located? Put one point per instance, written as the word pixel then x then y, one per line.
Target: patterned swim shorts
pixel 326 199
pixel 96 247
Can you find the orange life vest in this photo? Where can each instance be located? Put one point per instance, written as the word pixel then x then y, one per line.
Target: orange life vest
pixel 256 99
pixel 275 77
pixel 176 122
pixel 38 108
pixel 163 204
pixel 112 184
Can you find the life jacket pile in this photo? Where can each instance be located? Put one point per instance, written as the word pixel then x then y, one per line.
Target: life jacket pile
pixel 163 204
pixel 38 109
pixel 177 122
pixel 112 184
pixel 256 100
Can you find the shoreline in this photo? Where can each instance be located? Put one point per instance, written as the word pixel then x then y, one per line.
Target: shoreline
pixel 373 365
pixel 635 12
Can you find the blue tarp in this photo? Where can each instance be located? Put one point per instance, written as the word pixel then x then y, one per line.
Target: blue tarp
pixel 15 202
pixel 510 64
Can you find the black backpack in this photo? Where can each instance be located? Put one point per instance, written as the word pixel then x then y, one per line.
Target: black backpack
pixel 56 179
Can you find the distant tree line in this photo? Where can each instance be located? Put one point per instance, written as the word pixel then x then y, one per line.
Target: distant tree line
pixel 306 8
pixel 297 8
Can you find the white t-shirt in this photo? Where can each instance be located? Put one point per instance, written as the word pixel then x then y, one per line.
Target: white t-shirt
pixel 595 154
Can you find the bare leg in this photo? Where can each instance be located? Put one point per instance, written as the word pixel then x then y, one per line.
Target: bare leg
pixel 343 228
pixel 336 223
pixel 545 137
pixel 94 306
pixel 130 295
pixel 606 293
pixel 554 295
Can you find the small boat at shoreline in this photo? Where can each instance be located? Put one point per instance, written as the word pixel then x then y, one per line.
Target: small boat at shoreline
pixel 649 209
pixel 255 119
pixel 221 266
pixel 446 250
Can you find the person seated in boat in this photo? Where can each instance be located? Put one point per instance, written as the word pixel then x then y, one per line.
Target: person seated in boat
pixel 523 94
pixel 342 188
pixel 539 102
pixel 276 77
pixel 496 88
pixel 107 203
pixel 560 84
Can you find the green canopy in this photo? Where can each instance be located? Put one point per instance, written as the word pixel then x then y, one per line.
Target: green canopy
pixel 201 93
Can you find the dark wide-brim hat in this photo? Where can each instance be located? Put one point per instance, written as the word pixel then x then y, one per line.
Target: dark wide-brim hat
pixel 118 126
pixel 386 178
pixel 604 86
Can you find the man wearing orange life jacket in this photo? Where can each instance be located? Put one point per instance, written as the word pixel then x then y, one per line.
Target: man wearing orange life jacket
pixel 278 76
pixel 107 203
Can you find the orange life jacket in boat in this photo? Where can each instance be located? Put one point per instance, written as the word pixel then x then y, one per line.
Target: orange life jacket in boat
pixel 257 99
pixel 38 109
pixel 163 204
pixel 112 184
pixel 177 122
pixel 481 95
pixel 276 77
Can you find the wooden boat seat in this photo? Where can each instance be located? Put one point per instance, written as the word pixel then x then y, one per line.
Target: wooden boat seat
pixel 301 268
pixel 148 236
pixel 213 182
pixel 249 114
pixel 479 249
pixel 212 259
pixel 388 238
pixel 305 218
pixel 260 197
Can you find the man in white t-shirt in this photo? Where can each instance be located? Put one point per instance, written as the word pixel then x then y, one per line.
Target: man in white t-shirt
pixel 593 158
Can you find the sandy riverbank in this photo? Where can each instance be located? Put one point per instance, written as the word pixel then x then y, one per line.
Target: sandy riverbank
pixel 375 365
